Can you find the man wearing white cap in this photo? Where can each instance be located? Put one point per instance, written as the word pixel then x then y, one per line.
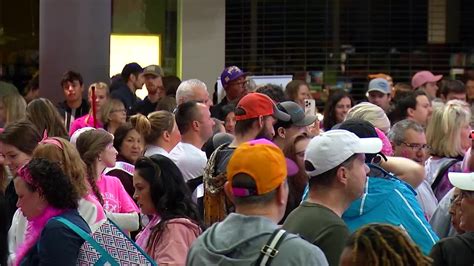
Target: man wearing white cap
pixel 459 250
pixel 426 81
pixel 335 164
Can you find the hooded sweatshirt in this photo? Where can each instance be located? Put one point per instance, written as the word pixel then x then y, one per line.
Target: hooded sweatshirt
pixel 238 240
pixel 390 200
pixel 456 250
pixel 173 244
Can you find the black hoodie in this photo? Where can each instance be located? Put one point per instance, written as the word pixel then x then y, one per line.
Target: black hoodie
pixel 456 250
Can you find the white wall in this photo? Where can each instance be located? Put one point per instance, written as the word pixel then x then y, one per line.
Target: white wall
pixel 203 40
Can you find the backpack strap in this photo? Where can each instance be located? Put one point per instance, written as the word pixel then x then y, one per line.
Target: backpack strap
pixel 214 201
pixel 442 171
pixel 270 249
pixel 106 257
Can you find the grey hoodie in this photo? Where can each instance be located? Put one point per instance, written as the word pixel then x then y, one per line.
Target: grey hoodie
pixel 238 239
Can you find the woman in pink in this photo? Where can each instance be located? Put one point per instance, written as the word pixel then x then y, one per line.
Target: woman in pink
pixel 97 151
pixel 161 192
pixel 101 96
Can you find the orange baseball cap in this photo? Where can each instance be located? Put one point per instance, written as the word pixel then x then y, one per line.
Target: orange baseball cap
pixel 264 162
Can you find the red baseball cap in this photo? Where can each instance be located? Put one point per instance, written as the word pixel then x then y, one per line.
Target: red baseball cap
pixel 258 104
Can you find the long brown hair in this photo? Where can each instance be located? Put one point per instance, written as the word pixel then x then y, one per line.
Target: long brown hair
pixel 44 115
pixel 15 107
pixel 297 182
pixel 90 144
pixel 69 160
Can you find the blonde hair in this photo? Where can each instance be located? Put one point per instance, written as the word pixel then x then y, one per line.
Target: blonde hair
pixel 69 160
pixel 43 114
pixel 444 129
pixel 372 114
pixel 153 126
pixel 107 109
pixel 15 107
pixel 99 86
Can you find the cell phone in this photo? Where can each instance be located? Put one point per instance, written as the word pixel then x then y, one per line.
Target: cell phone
pixel 310 106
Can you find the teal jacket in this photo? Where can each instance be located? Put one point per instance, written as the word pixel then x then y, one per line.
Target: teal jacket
pixel 390 200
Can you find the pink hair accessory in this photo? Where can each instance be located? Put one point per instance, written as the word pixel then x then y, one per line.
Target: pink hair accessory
pixel 25 174
pixel 51 140
pixel 387 149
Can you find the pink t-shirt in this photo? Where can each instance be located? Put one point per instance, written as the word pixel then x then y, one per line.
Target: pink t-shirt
pixel 116 198
pixel 91 210
pixel 83 121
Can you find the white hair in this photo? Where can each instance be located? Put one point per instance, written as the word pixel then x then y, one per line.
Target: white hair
pixel 186 90
pixel 372 114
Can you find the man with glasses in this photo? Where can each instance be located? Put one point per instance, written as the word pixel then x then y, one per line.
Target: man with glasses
pixel 233 81
pixel 459 249
pixel 408 140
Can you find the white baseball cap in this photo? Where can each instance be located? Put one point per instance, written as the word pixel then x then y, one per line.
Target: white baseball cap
pixel 464 181
pixel 331 148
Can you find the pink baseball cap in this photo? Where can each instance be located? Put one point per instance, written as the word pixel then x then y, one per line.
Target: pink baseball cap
pixel 423 77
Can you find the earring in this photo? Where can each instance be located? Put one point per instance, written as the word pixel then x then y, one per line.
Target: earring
pixel 100 159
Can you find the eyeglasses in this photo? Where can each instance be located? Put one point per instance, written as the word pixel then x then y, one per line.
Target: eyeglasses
pixel 416 146
pixel 119 110
pixel 240 84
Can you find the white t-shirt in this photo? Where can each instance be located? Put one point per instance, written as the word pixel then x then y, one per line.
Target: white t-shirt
pixel 189 159
pixel 426 198
pixel 152 150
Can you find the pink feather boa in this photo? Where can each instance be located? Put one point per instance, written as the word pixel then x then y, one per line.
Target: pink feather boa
pixel 386 146
pixel 33 231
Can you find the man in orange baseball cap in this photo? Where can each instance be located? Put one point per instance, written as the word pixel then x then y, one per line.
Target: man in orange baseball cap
pixel 256 184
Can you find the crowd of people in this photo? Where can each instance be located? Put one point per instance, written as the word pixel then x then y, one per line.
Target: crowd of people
pixel 252 179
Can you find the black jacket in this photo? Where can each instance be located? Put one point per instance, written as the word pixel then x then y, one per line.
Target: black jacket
pixel 126 96
pixel 456 250
pixel 68 114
